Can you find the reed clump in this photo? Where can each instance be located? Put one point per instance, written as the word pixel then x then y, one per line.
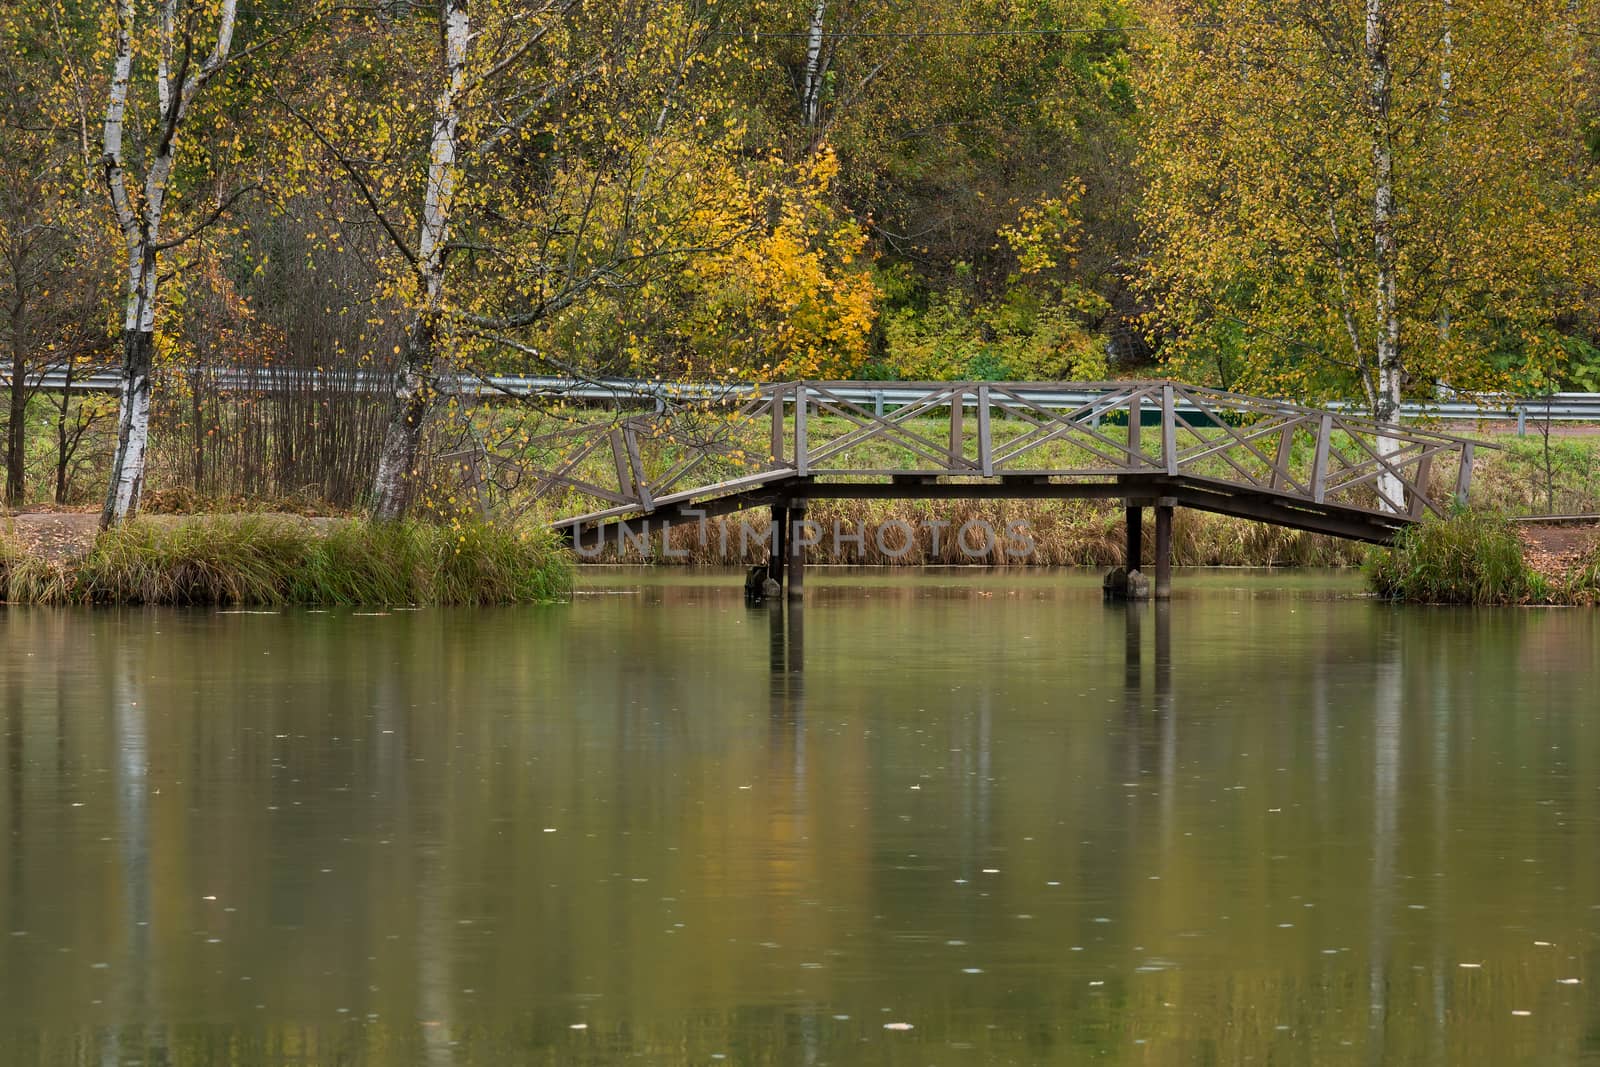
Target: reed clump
pixel 1466 557
pixel 269 560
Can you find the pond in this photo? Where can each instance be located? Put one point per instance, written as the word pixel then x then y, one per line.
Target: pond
pixel 936 818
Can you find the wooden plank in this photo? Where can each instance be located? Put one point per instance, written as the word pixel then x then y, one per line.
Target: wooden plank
pixel 619 458
pixel 985 445
pixel 1419 492
pixel 641 483
pixel 891 428
pixel 1319 465
pixel 802 459
pixel 958 454
pixel 1169 429
pixel 777 425
pixel 1135 418
pixel 1464 476
pixel 1280 467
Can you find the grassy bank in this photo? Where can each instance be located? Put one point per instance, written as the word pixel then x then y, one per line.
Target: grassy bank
pixel 277 560
pixel 1476 557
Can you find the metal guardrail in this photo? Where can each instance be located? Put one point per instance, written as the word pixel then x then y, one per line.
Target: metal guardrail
pixel 885 396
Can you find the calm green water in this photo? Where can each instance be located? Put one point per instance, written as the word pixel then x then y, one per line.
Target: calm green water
pixel 1272 823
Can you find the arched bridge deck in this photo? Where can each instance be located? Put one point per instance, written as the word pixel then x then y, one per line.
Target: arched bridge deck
pixel 1150 443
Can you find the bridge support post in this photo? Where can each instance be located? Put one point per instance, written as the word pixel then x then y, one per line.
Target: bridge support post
pixel 1128 581
pixel 794 541
pixel 1164 549
pixel 779 549
pixel 1135 557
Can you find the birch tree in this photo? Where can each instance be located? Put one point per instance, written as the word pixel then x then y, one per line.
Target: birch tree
pixel 414 393
pixel 54 258
pixel 567 155
pixel 1365 197
pixel 184 66
pixel 1385 256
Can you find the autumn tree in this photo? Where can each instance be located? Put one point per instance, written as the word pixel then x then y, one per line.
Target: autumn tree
pixel 53 252
pixel 566 160
pixel 1365 197
pixel 951 122
pixel 162 59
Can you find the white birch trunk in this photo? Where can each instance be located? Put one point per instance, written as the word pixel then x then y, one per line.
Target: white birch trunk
pixel 1391 371
pixel 393 485
pixel 811 76
pixel 141 229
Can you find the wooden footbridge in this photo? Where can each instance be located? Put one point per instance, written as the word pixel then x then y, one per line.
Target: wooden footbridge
pixel 1157 444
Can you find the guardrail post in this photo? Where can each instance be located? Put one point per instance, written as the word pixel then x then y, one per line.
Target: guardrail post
pixel 1464 475
pixel 877 403
pixel 800 405
pixel 1319 465
pixel 985 444
pixel 1522 420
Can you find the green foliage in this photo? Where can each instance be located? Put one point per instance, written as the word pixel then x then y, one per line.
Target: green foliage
pixel 1469 557
pixel 1259 151
pixel 1038 328
pixel 1582 372
pixel 274 560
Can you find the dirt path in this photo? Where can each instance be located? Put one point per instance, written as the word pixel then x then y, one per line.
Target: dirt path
pixel 65 535
pixel 56 535
pixel 1554 551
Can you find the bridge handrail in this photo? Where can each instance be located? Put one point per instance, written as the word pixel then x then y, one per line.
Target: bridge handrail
pixel 1202 437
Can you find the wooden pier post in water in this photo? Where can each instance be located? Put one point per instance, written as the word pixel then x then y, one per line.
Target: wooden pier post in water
pixel 795 544
pixel 1135 557
pixel 780 543
pixel 1164 549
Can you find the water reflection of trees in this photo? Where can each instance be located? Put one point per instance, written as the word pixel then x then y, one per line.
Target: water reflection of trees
pixel 418 760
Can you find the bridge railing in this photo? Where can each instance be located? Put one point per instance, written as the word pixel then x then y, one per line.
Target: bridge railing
pixel 974 431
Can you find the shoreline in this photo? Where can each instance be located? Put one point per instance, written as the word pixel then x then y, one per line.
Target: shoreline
pixel 274 560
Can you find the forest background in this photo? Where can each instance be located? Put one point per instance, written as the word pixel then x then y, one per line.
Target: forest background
pixel 1360 199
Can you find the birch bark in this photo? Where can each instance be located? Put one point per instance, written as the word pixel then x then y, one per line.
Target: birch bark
pixel 811 76
pixel 1391 371
pixel 415 391
pixel 141 223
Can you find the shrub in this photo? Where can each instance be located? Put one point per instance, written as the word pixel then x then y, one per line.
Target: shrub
pixel 1468 557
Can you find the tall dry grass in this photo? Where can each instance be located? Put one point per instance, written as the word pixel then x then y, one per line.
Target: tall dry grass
pixel 270 560
pixel 1058 533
